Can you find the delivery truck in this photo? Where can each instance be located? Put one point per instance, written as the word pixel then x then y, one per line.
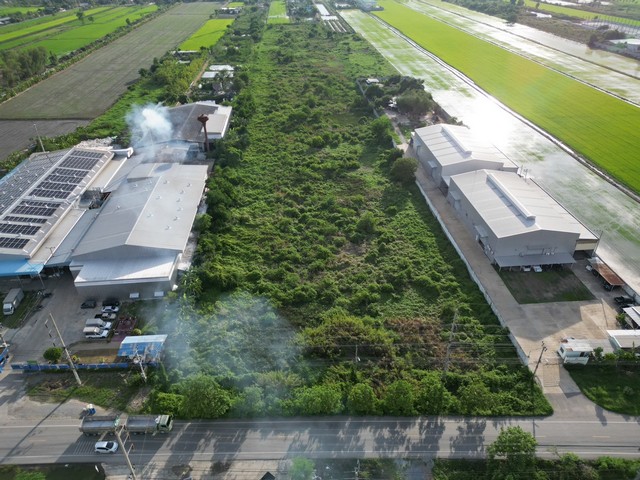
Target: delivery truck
pixel 12 300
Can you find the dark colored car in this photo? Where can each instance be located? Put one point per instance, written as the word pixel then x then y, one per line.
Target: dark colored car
pixel 88 304
pixel 621 300
pixel 111 302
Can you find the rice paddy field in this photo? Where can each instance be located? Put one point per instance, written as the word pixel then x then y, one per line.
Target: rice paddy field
pixel 235 4
pixel 278 12
pixel 89 87
pixel 596 125
pixel 6 11
pixel 576 12
pixel 208 35
pixel 72 35
pixel 10 38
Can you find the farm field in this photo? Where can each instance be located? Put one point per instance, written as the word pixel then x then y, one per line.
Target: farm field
pixel 40 28
pixel 575 12
pixel 278 12
pixel 76 35
pixel 611 73
pixel 89 87
pixel 5 11
pixel 235 4
pixel 11 27
pixel 598 126
pixel 208 35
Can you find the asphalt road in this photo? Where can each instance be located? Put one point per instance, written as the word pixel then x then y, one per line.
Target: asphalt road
pixel 58 440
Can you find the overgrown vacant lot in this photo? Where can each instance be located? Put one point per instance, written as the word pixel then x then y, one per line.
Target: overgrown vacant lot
pixel 88 88
pixel 322 286
pixel 596 125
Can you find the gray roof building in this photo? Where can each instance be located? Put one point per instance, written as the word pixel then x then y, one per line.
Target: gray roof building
pixel 446 150
pixel 134 245
pixel 515 221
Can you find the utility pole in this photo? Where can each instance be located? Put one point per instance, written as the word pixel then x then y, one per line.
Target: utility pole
pixel 126 456
pixel 139 360
pixel 533 379
pixel 64 347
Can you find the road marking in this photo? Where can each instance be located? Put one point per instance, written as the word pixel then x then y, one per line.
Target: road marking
pixel 600 436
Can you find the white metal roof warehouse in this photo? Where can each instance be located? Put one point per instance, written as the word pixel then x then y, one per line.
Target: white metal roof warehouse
pixel 446 150
pixel 135 244
pixel 515 221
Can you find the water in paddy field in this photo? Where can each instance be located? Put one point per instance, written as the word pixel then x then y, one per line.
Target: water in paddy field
pixel 594 201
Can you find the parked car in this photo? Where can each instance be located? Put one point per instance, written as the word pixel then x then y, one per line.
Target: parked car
pixel 607 286
pixel 106 447
pixel 88 304
pixel 110 309
pixel 111 302
pixel 620 300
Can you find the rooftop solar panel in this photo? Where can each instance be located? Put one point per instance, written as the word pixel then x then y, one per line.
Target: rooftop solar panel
pixel 23 229
pixel 57 186
pixel 80 162
pixel 44 193
pixel 69 171
pixel 26 209
pixel 68 179
pixel 17 243
pixel 11 218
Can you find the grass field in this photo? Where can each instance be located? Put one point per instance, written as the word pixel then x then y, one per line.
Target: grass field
pixel 75 34
pixel 616 389
pixel 11 27
pixel 235 4
pixel 577 13
pixel 547 286
pixel 208 35
pixel 88 88
pixel 278 12
pixel 598 126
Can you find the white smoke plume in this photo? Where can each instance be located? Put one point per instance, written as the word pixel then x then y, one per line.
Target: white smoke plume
pixel 149 125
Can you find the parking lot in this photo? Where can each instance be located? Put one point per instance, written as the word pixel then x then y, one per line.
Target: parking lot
pixel 30 340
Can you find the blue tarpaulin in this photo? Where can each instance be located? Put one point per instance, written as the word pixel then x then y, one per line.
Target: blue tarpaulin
pixel 11 268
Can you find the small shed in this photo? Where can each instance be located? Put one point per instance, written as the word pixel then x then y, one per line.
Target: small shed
pixel 625 339
pixel 632 316
pixel 147 347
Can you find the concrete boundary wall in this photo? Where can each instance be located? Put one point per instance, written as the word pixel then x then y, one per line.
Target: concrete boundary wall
pixel 521 354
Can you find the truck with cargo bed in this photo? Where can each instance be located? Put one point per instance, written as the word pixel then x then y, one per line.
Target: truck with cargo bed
pixel 99 424
pixel 140 424
pixel 12 300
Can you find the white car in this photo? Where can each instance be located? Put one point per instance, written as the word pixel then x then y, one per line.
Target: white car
pixel 106 447
pixel 110 309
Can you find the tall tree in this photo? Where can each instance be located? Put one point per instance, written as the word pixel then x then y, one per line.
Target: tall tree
pixel 512 456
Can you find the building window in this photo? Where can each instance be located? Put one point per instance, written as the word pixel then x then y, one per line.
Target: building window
pixel 158 294
pixel 134 295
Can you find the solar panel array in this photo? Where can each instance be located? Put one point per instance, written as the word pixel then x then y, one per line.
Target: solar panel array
pixel 18 229
pixel 12 218
pixel 39 197
pixel 40 209
pixel 11 242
